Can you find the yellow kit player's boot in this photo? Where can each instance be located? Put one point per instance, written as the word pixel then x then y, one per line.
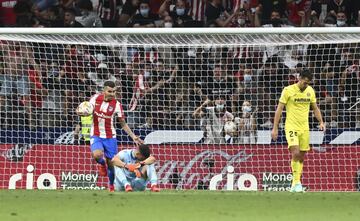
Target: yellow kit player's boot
pixel 297 188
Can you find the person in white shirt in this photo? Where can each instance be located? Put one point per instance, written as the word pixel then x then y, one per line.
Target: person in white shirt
pixel 213 120
pixel 246 124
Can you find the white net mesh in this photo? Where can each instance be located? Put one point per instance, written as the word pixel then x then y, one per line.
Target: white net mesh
pixel 169 86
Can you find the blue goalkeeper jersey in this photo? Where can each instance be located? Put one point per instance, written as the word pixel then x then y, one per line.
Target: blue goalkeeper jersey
pixel 127 157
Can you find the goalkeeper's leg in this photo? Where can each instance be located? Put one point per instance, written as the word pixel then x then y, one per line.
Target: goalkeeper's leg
pixel 121 180
pixel 149 173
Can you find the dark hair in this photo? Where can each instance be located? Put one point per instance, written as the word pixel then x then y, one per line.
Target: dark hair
pixel 109 84
pixel 219 97
pixel 85 4
pixel 306 74
pixel 70 10
pixel 299 65
pixel 144 150
pixel 145 2
pixel 341 11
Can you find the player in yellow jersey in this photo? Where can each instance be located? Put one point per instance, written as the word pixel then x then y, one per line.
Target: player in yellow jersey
pixel 297 99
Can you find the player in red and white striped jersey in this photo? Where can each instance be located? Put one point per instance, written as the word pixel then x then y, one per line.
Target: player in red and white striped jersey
pixel 103 134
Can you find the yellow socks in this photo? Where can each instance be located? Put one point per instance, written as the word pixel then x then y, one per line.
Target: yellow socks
pixel 301 165
pixel 296 168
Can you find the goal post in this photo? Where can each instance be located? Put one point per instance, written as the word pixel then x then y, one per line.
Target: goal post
pixel 204 99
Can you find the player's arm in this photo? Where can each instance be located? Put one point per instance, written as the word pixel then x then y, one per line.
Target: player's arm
pixel 278 112
pixel 127 129
pixel 198 113
pixel 318 115
pixel 117 162
pixel 150 160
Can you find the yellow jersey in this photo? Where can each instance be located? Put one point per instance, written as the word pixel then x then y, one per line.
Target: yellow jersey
pixel 297 104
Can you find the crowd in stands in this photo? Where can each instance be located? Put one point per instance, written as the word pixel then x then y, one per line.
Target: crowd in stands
pixel 41 84
pixel 162 88
pixel 179 13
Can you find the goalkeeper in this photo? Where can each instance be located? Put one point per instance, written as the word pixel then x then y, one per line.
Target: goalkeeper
pixel 297 98
pixel 134 168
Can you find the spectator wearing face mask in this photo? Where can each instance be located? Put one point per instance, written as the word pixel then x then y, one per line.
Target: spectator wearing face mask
pixel 213 116
pixel 266 7
pixel 346 6
pixel 168 22
pixel 244 19
pixel 246 124
pixel 340 20
pixel 179 14
pixel 249 84
pixel 219 83
pixel 144 18
pixel 275 19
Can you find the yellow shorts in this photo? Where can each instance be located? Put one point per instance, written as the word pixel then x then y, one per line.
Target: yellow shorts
pixel 299 138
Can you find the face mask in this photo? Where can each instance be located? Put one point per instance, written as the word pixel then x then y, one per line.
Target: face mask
pixel 147 74
pixel 191 53
pixel 220 107
pixel 144 12
pixel 340 23
pixel 276 22
pixel 168 25
pixel 246 109
pixel 241 21
pixel 329 25
pixel 247 78
pixel 180 11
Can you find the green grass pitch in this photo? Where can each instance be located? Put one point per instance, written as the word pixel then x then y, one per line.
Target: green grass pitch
pixel 37 205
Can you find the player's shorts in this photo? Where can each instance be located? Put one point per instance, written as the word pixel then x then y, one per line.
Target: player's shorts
pixel 299 138
pixel 107 145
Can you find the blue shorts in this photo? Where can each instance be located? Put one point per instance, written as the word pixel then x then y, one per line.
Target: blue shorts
pixel 107 145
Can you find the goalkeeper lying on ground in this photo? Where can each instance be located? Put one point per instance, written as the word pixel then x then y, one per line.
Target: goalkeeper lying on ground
pixel 134 168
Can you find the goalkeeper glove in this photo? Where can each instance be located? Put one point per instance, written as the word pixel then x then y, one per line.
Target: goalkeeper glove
pixel 137 173
pixel 132 167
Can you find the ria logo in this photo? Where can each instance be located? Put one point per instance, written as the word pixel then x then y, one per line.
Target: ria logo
pixel 230 181
pixel 45 181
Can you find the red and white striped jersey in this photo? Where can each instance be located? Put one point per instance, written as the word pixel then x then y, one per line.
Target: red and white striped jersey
pixel 108 9
pixel 103 116
pixel 197 9
pixel 139 91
